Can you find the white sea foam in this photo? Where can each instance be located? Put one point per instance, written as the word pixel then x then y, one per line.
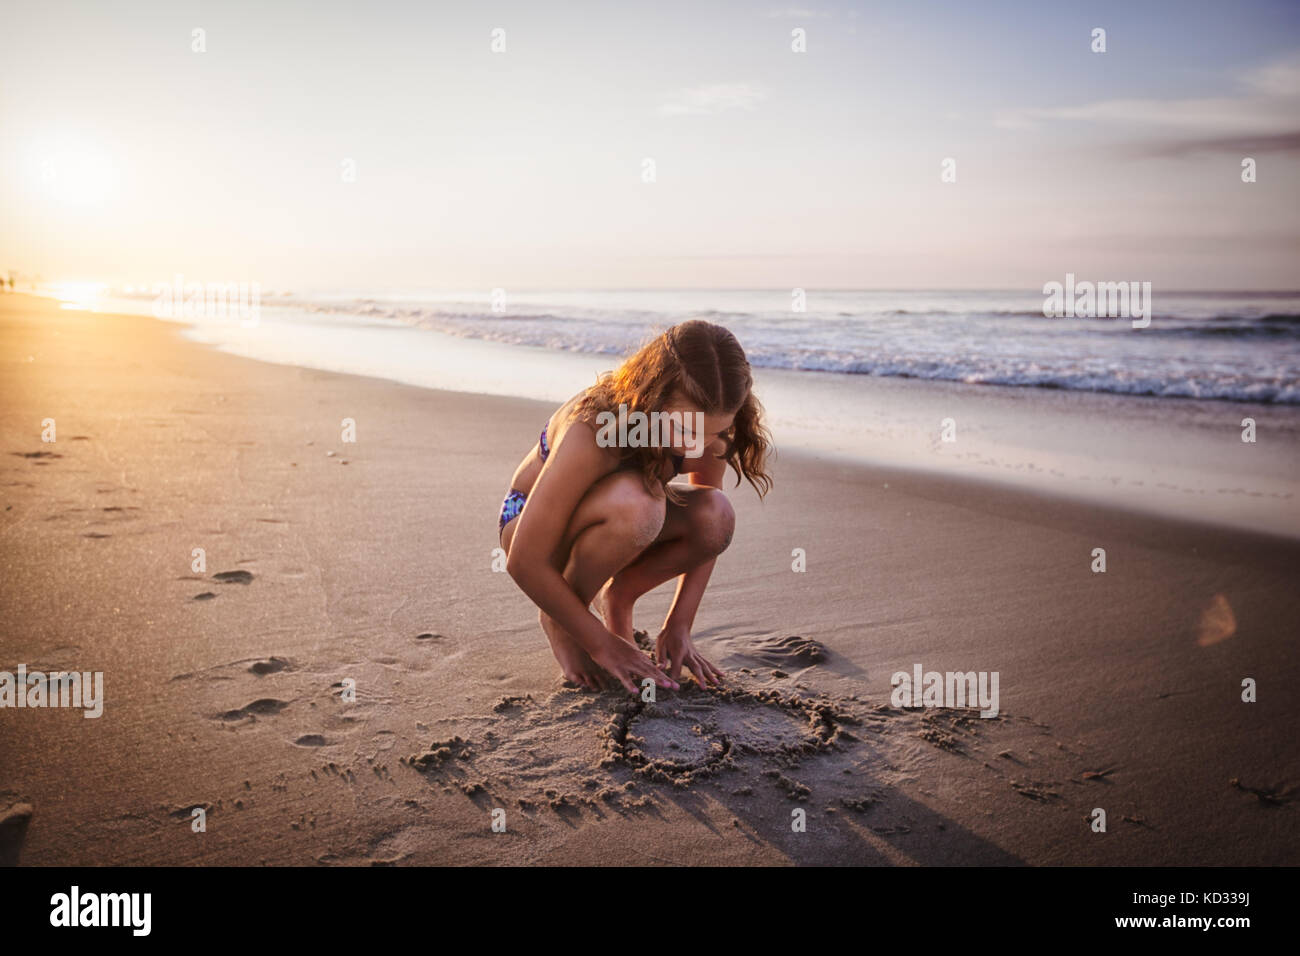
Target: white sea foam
pixel 1243 347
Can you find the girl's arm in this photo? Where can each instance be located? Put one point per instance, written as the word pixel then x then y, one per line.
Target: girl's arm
pixel 574 464
pixel 691 585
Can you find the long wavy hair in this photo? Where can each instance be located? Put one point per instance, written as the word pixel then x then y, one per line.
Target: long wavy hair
pixel 706 365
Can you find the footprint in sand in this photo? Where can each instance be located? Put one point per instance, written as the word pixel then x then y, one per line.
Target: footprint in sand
pixel 1035 790
pixel 233 577
pixel 271 665
pixel 1277 796
pixel 263 707
pixel 385 849
pixel 13 831
pixel 792 651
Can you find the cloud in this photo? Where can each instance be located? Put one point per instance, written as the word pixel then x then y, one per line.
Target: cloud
pixel 1276 79
pixel 1243 145
pixel 1266 106
pixel 1209 114
pixel 715 98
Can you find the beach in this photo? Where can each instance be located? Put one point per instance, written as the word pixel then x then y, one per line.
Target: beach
pixel 331 566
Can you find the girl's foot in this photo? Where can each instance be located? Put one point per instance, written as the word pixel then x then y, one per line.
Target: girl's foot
pixel 575 663
pixel 616 614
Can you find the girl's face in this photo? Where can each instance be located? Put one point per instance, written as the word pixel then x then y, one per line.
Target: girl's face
pixel 691 430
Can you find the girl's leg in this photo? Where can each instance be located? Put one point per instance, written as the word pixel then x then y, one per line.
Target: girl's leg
pixel 615 521
pixel 693 533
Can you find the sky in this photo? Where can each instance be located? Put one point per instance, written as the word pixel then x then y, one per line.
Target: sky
pixel 386 146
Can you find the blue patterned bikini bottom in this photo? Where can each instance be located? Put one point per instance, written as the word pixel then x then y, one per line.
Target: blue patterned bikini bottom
pixel 510 508
pixel 514 500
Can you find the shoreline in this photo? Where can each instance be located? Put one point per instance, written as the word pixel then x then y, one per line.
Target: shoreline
pixel 374 565
pixel 1149 455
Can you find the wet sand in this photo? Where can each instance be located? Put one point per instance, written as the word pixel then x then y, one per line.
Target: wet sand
pixel 368 564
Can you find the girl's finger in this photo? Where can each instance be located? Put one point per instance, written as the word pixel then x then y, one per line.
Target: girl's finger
pixel 641 671
pixel 654 673
pixel 663 680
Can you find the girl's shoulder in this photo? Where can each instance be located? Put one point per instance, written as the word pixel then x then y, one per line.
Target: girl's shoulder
pixel 572 413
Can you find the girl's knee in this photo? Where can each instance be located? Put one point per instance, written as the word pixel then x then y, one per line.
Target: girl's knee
pixel 713 521
pixel 630 509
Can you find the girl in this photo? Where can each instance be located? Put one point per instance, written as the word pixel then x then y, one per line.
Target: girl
pixel 586 521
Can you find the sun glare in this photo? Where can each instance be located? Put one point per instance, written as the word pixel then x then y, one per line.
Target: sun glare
pixel 78 295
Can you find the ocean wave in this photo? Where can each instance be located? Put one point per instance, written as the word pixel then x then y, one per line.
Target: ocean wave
pixel 1223 389
pixel 1252 382
pixel 1206 349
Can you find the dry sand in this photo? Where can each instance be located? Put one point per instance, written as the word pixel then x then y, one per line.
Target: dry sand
pixel 372 562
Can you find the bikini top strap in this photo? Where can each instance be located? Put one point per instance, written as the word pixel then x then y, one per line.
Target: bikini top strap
pixel 546 450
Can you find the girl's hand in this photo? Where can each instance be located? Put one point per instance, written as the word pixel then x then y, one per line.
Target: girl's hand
pixel 629 666
pixel 674 648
